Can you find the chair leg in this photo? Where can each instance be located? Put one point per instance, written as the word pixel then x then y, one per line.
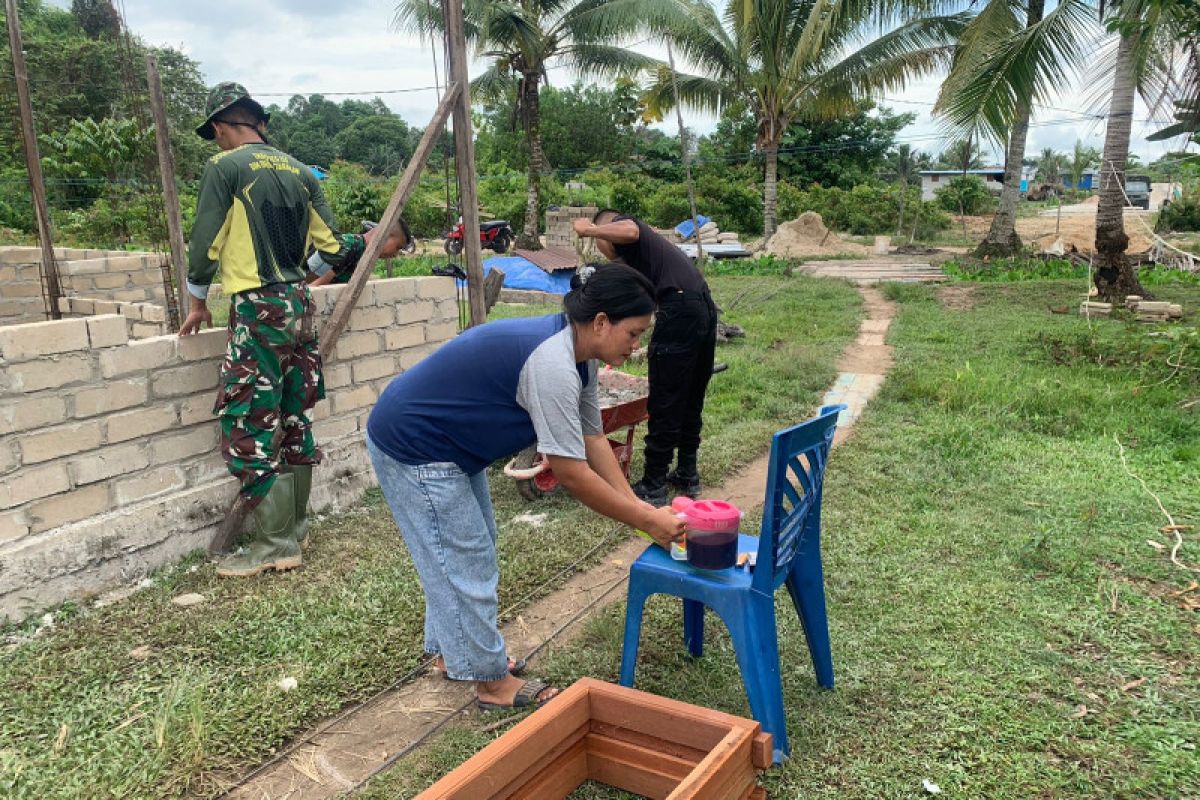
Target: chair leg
pixel 806 585
pixel 634 607
pixel 756 642
pixel 693 627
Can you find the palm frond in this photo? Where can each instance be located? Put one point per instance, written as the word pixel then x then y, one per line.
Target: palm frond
pixel 695 92
pixel 493 85
pixel 606 60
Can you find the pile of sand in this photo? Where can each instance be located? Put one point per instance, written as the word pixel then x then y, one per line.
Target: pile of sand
pixel 807 236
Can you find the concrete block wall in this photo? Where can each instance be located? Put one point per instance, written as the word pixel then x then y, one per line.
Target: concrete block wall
pixel 108 459
pixel 558 224
pixel 142 319
pixel 108 274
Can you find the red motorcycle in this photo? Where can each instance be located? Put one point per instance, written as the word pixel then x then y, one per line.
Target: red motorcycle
pixel 496 235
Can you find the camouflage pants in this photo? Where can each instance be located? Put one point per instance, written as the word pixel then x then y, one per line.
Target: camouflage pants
pixel 270 381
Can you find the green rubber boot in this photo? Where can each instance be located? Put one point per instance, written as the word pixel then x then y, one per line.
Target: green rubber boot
pixel 301 485
pixel 274 545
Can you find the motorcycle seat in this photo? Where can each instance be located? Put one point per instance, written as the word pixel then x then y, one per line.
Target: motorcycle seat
pixel 496 223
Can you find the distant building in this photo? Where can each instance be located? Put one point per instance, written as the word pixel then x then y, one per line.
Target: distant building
pixel 1088 180
pixel 934 179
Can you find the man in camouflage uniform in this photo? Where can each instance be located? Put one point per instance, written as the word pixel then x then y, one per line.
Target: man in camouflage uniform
pixel 257 212
pixel 399 238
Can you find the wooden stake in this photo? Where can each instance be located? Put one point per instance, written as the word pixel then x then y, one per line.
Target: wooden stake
pixel 232 524
pixel 464 160
pixel 33 163
pixel 687 160
pixel 166 171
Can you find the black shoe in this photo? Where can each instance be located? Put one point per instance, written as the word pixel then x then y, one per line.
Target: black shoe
pixel 685 484
pixel 651 491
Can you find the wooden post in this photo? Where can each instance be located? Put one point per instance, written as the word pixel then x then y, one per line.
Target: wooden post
pixel 166 170
pixel 464 160
pixel 232 524
pixel 33 163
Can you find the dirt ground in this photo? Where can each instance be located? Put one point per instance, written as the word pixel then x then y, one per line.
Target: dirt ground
pixel 1077 230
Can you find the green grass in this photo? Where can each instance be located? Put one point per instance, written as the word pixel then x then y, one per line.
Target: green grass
pixel 987 573
pixel 81 717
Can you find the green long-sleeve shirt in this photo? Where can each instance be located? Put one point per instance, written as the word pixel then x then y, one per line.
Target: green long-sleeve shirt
pixel 258 211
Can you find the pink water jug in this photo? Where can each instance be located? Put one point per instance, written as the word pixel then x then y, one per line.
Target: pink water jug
pixel 712 531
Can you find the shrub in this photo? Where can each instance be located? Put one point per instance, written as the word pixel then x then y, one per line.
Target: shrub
pixel 966 194
pixel 1179 215
pixel 354 195
pixel 864 210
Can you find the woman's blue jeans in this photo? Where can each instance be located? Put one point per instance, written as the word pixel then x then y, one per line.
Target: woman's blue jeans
pixel 446 519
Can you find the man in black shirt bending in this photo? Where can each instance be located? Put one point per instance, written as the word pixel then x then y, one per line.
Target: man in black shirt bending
pixel 682 348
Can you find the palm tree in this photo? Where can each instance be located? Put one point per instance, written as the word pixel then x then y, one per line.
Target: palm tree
pixel 962 155
pixel 1081 159
pixel 521 40
pixel 1049 166
pixel 789 60
pixel 1007 60
pixel 904 165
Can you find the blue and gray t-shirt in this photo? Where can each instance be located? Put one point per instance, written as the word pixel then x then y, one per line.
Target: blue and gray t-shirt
pixel 489 393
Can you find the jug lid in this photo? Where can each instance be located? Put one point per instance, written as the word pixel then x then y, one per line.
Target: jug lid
pixel 709 512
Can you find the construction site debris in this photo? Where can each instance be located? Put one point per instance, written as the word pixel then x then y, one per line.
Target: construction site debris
pixel 807 236
pixel 1152 310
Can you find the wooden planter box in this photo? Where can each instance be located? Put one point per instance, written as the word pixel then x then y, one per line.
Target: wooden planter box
pixel 639 742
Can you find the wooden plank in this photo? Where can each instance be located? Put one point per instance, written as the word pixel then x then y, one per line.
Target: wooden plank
pixel 549 752
pixel 178 304
pixel 464 159
pixel 513 754
pixel 561 777
pixel 689 725
pixel 632 776
pixel 656 743
pixel 366 264
pixel 719 772
pixel 762 755
pixel 33 161
pixel 648 757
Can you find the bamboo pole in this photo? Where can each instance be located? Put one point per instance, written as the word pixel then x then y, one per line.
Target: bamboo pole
pixel 33 163
pixel 464 160
pixel 166 170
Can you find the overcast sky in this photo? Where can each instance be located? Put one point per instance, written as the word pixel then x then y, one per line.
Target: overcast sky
pixel 334 46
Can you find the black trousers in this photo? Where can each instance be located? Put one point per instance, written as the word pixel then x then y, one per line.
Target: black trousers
pixel 682 349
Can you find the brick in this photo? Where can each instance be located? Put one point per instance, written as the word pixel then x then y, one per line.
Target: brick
pixel 25 289
pixel 145 330
pixel 418 311
pixel 371 368
pixel 196 442
pixel 116 280
pixel 446 310
pixel 33 484
pixel 154 313
pixel 337 376
pixel 353 345
pixel 130 296
pixel 149 484
pixel 108 307
pixel 405 336
pixel 131 311
pixel 113 396
pixel 324 297
pixel 13 526
pixel 8 458
pixel 68 507
pixel 441 331
pixel 351 399
pixel 64 303
pixel 393 290
pixel 139 356
pixel 109 462
pixel 414 354
pixel 197 408
pixel 49 373
pixel 34 339
pixel 434 287
pixel 320 410
pixel 81 305
pixel 22 415
pixel 61 441
pixel 140 422
pixel 332 429
pixel 371 317
pixel 185 380
pixel 107 331
pixel 82 266
pixel 205 344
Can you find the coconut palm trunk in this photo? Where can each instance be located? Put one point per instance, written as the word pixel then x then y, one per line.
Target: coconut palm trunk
pixel 1115 276
pixel 771 191
pixel 531 112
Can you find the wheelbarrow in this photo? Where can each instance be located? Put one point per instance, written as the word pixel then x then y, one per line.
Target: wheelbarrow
pixel 622 407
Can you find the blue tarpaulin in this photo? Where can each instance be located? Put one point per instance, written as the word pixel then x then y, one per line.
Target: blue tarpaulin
pixel 685 228
pixel 520 273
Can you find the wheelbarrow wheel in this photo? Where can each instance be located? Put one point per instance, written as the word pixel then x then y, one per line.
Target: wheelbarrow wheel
pixel 542 484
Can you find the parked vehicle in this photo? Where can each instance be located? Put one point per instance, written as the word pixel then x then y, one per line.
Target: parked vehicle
pixel 1137 191
pixel 496 235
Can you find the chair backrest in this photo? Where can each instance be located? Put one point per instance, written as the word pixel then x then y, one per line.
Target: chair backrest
pixel 791 522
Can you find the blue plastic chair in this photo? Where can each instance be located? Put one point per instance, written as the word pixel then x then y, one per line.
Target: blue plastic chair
pixel 788 551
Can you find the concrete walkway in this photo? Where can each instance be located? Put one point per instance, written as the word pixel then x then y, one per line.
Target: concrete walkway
pixel 343 752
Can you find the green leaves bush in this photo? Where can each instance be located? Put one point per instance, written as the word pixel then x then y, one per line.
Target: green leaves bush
pixel 966 194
